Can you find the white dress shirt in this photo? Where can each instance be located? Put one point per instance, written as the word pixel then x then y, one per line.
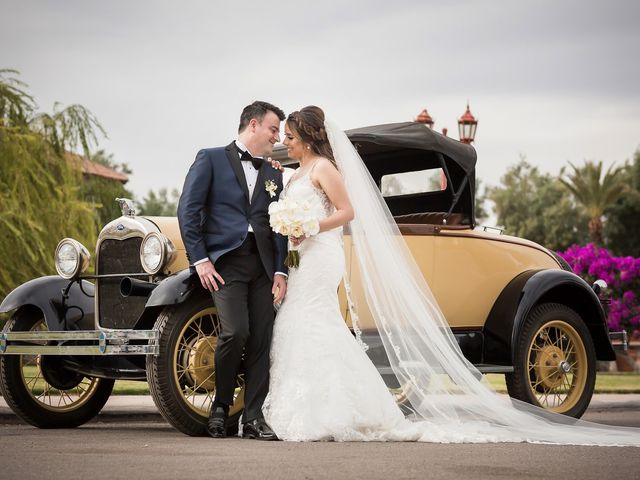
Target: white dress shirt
pixel 250 172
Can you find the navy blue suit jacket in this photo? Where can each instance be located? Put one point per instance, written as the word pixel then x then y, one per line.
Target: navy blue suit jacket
pixel 214 211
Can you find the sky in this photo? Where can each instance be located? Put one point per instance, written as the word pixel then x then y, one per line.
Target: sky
pixel 554 82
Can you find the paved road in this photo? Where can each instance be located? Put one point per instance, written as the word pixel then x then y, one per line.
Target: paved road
pixel 154 450
pixel 125 447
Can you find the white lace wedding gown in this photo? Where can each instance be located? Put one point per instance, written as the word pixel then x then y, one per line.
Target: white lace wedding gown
pixel 323 386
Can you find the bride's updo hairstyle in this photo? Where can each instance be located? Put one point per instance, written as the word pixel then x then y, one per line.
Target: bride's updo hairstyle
pixel 308 124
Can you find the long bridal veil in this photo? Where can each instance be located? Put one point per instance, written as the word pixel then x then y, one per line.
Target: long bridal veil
pixel 446 392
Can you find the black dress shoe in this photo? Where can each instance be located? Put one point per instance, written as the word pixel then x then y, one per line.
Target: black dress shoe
pixel 216 425
pixel 258 429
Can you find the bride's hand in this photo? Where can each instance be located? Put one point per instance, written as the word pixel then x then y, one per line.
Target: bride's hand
pixel 296 241
pixel 275 164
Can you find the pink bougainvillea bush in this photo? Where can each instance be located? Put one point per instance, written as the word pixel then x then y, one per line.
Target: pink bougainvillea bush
pixel 622 274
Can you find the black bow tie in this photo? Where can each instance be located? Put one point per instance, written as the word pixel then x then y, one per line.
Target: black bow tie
pixel 246 157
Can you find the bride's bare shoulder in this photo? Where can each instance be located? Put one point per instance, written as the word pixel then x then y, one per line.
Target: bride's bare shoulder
pixel 324 173
pixel 324 165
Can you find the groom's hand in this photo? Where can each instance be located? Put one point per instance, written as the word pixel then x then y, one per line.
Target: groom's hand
pixel 279 288
pixel 208 276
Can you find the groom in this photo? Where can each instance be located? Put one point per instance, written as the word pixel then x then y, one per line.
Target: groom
pixel 224 223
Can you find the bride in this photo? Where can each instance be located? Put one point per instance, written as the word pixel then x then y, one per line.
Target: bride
pixel 322 384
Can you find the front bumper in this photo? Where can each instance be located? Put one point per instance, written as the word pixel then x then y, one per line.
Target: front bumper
pixel 82 342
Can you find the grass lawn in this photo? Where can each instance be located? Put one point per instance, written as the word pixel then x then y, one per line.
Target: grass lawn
pixel 130 387
pixel 605 383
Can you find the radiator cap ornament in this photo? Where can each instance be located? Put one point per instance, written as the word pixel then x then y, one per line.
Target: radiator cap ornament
pixel 126 206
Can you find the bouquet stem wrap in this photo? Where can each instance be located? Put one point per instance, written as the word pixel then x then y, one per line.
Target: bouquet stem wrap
pixel 293 258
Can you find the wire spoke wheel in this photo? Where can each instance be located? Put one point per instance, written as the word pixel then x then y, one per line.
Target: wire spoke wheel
pixel 42 390
pixel 49 384
pixel 557 366
pixel 194 365
pixel 554 361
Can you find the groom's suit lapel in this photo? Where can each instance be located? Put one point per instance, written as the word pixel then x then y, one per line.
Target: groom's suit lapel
pixel 234 160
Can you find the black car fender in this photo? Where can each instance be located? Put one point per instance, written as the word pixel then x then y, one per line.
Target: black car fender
pixel 175 289
pixel 533 287
pixel 65 304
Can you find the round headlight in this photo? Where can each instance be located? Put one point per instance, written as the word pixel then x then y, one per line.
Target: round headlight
pixel 71 258
pixel 156 251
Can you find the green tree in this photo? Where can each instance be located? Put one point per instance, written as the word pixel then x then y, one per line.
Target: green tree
pixel 595 192
pixel 536 206
pixel 40 190
pixel 102 192
pixel 391 186
pixel 481 212
pixel 162 204
pixel 622 233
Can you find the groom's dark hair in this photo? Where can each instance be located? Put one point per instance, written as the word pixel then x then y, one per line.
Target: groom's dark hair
pixel 258 110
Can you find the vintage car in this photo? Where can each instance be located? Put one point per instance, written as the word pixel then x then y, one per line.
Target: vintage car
pixel 516 308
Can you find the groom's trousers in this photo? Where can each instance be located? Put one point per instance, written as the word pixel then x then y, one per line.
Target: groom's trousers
pixel 245 311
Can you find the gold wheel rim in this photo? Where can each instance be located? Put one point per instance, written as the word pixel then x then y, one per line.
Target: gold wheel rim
pixel 201 362
pixel 557 366
pixel 193 365
pixel 45 394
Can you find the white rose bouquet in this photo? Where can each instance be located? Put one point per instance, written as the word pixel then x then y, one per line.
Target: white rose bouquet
pixel 295 217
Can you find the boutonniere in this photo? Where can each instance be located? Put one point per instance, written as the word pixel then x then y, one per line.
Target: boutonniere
pixel 270 188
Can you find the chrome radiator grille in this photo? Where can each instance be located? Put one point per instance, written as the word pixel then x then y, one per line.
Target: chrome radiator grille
pixel 118 257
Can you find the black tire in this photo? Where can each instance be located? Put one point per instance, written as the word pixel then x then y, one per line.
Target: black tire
pixel 555 361
pixel 25 384
pixel 181 377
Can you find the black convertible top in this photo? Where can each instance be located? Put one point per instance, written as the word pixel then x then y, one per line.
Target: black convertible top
pixel 390 136
pixel 410 146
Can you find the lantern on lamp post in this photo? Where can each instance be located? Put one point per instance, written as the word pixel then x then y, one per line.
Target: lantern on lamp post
pixel 467 125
